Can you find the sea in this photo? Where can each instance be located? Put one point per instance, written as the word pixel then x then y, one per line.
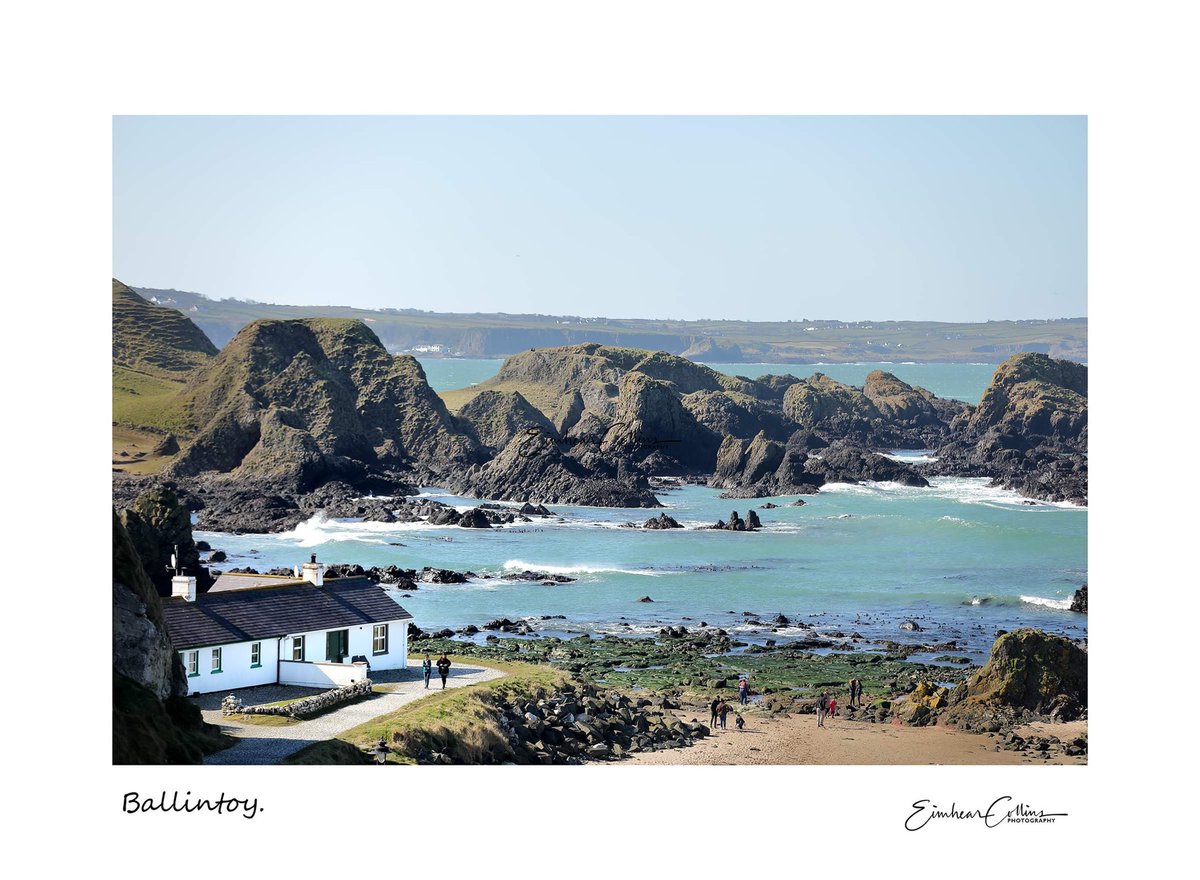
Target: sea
pixel 959 559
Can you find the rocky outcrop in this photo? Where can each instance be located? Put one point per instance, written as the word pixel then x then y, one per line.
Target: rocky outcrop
pixel 736 414
pixel 761 468
pixel 152 721
pixel 297 403
pixel 662 521
pixel 142 650
pixel 737 524
pixel 717 351
pixel 495 417
pixel 846 462
pixel 1034 670
pixel 1079 600
pixel 650 417
pixel 158 525
pixel 886 412
pixel 1029 432
pixel 532 468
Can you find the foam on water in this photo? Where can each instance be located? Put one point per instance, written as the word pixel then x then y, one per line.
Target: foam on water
pixel 522 565
pixel 1061 604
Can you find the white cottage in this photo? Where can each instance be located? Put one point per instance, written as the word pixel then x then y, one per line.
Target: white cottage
pixel 259 629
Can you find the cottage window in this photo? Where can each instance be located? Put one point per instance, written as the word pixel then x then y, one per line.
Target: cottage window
pixel 298 649
pixel 256 655
pixel 216 659
pixel 379 639
pixel 193 663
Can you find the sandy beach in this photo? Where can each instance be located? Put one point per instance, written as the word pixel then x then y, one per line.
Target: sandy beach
pixel 775 739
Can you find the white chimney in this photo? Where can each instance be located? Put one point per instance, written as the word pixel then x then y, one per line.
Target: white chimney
pixel 314 572
pixel 183 587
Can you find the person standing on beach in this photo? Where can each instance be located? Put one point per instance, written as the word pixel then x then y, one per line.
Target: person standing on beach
pixel 822 708
pixel 712 708
pixel 743 691
pixel 443 666
pixel 723 710
pixel 855 692
pixel 832 707
pixel 427 669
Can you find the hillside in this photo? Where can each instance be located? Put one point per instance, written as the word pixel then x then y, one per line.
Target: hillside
pixel 155 349
pixel 800 341
pixel 298 403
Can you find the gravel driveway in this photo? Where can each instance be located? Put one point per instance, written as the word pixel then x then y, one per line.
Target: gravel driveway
pixel 270 745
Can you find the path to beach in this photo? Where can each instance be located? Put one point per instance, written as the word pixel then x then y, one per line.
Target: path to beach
pixel 270 745
pixel 797 740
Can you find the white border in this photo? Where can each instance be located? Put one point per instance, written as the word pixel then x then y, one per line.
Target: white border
pixel 70 66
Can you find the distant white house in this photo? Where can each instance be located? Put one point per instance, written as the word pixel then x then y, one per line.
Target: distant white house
pixel 258 629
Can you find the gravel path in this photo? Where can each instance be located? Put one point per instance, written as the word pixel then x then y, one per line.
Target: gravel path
pixel 270 745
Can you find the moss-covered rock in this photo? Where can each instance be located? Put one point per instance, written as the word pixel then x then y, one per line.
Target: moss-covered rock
pixel 1031 669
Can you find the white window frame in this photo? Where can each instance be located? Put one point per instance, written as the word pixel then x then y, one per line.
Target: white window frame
pixel 216 661
pixel 297 648
pixel 255 654
pixel 380 631
pixel 192 663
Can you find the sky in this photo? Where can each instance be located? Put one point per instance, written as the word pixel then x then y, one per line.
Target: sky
pixel 753 218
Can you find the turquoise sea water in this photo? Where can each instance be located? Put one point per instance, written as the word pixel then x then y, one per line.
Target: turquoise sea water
pixel 960 381
pixel 960 558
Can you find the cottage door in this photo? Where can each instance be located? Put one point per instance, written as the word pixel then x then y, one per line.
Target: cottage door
pixel 337 645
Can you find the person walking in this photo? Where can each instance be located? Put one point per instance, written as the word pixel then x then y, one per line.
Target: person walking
pixel 427 669
pixel 743 691
pixel 723 711
pixel 712 708
pixel 443 666
pixel 832 707
pixel 822 708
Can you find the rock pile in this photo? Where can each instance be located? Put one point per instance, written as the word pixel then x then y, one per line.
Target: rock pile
pixel 737 524
pixel 313 705
pixel 579 723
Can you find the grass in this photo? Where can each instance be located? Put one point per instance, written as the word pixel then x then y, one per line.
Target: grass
pixel 461 722
pixel 145 400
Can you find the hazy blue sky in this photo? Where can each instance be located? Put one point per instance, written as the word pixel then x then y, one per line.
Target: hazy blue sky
pixel 764 218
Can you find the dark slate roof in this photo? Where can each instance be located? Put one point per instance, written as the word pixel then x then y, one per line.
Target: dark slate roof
pixel 271 612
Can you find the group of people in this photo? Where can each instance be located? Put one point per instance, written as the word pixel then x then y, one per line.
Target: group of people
pixel 719 709
pixel 443 667
pixel 827 705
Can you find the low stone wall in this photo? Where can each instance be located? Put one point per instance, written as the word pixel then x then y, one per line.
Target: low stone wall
pixel 313 705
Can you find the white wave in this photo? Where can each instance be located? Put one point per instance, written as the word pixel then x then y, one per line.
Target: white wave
pixel 522 565
pixel 1060 604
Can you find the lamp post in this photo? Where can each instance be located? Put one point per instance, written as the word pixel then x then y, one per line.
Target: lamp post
pixel 380 751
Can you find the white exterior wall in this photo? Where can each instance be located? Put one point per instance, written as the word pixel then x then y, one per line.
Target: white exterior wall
pixel 360 645
pixel 236 671
pixel 321 675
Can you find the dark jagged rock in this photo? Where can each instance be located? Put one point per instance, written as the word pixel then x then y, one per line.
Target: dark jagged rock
pixel 650 417
pixel 1029 432
pixel 1079 600
pixel 533 466
pixel 302 402
pixel 159 526
pixel 737 524
pixel 762 467
pixel 441 576
pixel 662 521
pixel 645 599
pixel 495 417
pixel 845 462
pixel 475 519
